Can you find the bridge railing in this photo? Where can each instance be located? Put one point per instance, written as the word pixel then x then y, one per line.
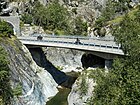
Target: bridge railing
pixel 106 38
pixel 74 43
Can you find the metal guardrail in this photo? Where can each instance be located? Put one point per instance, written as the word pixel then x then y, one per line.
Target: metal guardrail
pixel 84 44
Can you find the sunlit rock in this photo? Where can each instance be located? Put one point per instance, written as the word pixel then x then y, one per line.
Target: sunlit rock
pixel 37 84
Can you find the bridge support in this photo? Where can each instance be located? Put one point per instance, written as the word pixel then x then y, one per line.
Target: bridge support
pixel 108 63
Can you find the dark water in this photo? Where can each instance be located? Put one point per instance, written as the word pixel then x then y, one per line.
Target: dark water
pixel 60 98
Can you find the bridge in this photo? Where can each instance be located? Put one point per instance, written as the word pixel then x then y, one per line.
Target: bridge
pixel 105 48
pixel 86 43
pixel 14 21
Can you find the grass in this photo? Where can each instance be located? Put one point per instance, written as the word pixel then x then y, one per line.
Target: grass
pixel 120 18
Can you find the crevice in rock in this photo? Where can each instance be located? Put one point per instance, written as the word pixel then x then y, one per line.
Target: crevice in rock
pixel 90 60
pixel 60 77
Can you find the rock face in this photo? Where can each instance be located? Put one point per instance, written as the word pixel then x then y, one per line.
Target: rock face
pixel 82 90
pixel 60 77
pixel 37 84
pixel 67 59
pixel 28 30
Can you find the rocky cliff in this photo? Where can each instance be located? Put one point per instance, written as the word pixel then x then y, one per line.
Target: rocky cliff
pixel 82 89
pixel 65 59
pixel 37 84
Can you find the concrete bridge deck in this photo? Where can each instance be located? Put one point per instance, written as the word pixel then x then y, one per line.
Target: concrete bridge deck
pixel 86 44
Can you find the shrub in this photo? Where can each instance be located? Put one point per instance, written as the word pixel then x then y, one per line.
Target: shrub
pixel 5 29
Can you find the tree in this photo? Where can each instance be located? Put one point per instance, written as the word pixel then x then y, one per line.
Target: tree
pixel 53 17
pixel 80 27
pixel 5 29
pixel 39 13
pixel 57 17
pixel 5 89
pixel 26 18
pixel 121 85
pixel 112 9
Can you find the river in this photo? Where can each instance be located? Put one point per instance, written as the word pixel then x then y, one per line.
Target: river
pixel 61 97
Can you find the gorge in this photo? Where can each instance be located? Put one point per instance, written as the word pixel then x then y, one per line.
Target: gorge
pixel 55 67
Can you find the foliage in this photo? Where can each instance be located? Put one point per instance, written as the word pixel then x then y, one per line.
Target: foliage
pixel 26 18
pixel 5 29
pixel 131 14
pixel 59 67
pixel 74 10
pixel 57 16
pixel 18 90
pixel 130 40
pixel 112 9
pixel 52 17
pixel 5 90
pixel 83 84
pixel 39 14
pixel 121 85
pixel 101 31
pixel 107 14
pixel 80 27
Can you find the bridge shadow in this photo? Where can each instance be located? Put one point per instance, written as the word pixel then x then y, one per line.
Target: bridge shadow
pixel 60 77
pixel 90 60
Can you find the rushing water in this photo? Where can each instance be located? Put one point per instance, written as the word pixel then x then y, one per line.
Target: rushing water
pixel 60 98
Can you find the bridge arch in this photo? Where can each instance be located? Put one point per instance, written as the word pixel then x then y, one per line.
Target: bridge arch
pixel 91 60
pixel 14 21
pixel 11 25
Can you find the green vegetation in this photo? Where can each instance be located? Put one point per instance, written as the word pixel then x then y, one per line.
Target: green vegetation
pixel 118 19
pixel 80 27
pixel 5 89
pixel 83 86
pixel 6 93
pixel 17 90
pixel 59 67
pixel 26 18
pixel 120 86
pixel 5 29
pixel 112 10
pixel 54 17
